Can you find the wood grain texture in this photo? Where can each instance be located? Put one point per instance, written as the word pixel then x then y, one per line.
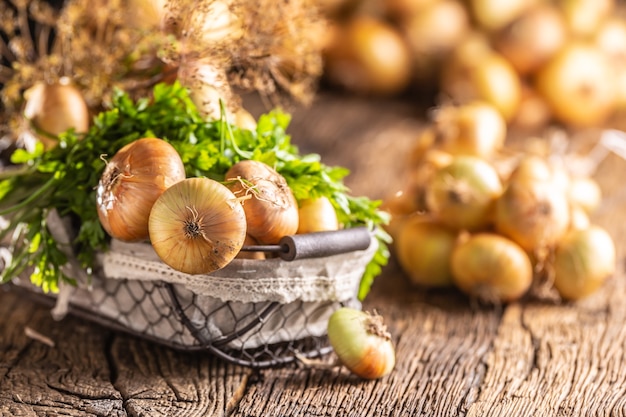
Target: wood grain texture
pixel 454 358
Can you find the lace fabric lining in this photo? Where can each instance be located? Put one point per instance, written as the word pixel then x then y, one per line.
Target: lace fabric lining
pixel 334 278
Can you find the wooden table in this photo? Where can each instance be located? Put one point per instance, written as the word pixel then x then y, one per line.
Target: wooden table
pixel 532 358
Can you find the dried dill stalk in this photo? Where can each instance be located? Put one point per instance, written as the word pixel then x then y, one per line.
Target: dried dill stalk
pixel 216 48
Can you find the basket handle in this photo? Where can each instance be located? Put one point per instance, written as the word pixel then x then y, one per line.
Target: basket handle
pixel 317 244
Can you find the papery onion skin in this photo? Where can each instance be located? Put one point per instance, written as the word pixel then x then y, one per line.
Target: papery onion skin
pixel 424 249
pixel 462 194
pixel 197 226
pixel 585 192
pixel 534 214
pixel 317 215
pixel 584 259
pixel 55 108
pixel 131 182
pixel 361 342
pixel 476 128
pixel 492 268
pixel 271 209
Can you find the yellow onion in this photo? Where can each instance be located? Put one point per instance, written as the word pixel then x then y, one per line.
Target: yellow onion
pixel 197 226
pixel 578 84
pixel 400 206
pixel 130 184
pixel 424 249
pixel 585 17
pixel 585 192
pixel 271 209
pixel 579 218
pixel 250 241
pixel 462 194
pixel 611 39
pixel 432 33
pixel 475 72
pixel 491 268
pixel 533 111
pixel 492 15
pixel 361 342
pixel 403 9
pixel 55 108
pixel 534 213
pixel 316 215
pixel 368 56
pixel 532 38
pixel 475 128
pixel 583 261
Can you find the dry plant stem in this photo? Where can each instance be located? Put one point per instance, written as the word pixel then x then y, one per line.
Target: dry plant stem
pixel 251 188
pixel 35 335
pixel 317 363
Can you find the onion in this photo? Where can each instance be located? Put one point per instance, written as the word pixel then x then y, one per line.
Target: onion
pixel 579 218
pixel 271 209
pixel 583 261
pixel 214 23
pixel 585 17
pixel 361 342
pixel 492 268
pixel 533 112
pixel 368 56
pixel 531 39
pixel 462 194
pixel 532 212
pixel 250 241
pixel 197 226
pixel 207 84
pixel 402 9
pixel 432 33
pixel 579 85
pixel 400 206
pixel 611 39
pixel 475 128
pixel 475 72
pixel 424 249
pixel 130 184
pixel 316 215
pixel 585 193
pixel 495 14
pixel 55 108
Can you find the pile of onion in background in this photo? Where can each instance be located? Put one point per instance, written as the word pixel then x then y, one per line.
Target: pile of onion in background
pixel 496 223
pixel 536 61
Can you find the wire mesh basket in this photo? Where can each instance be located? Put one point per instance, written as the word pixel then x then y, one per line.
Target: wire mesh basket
pixel 256 313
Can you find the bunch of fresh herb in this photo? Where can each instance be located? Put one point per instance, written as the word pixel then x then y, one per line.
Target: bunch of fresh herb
pixel 65 178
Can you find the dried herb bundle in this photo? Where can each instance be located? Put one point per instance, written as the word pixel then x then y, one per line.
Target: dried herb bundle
pixel 217 48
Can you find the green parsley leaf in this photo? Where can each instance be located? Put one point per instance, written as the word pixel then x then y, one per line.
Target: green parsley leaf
pixel 65 178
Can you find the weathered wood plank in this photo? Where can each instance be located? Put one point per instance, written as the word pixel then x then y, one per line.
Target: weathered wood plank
pixel 72 378
pixel 91 371
pixel 155 381
pixel 534 357
pixel 441 344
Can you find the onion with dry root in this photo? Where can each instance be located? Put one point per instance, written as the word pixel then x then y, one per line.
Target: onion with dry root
pixel 584 259
pixel 475 128
pixel 197 226
pixel 534 210
pixel 271 208
pixel 317 215
pixel 361 342
pixel 131 182
pixel 54 108
pixel 368 56
pixel 424 250
pixel 578 84
pixel 462 194
pixel 491 268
